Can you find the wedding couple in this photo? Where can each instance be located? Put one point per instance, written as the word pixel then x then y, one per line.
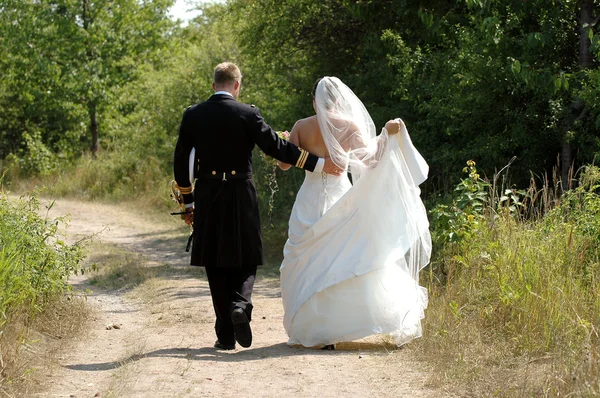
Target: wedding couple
pixel 354 250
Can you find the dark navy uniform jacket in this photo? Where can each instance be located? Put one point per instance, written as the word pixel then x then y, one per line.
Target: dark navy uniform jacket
pixel 227 230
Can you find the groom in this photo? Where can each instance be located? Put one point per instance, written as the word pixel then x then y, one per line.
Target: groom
pixel 224 205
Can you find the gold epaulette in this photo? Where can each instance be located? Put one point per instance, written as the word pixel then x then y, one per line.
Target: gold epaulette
pixel 186 190
pixel 302 159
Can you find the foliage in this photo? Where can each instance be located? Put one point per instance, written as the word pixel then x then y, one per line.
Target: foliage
pixel 34 262
pixel 66 62
pixel 522 288
pixel 444 67
pixel 475 200
pixel 489 80
pixel 33 158
pixel 457 221
pixel 484 80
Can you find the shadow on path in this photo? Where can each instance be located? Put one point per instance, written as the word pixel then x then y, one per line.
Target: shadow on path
pixel 280 350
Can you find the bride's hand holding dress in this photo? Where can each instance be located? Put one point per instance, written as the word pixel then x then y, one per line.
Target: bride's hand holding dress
pixel 393 126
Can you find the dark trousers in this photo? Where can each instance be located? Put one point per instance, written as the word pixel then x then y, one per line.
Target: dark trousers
pixel 230 288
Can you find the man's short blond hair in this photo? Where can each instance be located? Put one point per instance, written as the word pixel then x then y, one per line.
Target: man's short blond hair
pixel 227 73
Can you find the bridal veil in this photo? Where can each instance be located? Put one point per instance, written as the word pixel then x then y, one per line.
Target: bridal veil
pixel 355 271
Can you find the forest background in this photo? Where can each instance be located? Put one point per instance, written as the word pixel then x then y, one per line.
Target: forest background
pixel 92 93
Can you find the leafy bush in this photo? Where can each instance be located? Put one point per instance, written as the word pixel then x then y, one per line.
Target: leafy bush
pixel 34 158
pixel 34 262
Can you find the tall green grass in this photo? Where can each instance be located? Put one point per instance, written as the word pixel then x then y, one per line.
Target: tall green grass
pixel 34 266
pixel 515 289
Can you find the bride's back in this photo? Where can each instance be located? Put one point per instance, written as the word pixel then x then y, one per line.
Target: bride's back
pixel 310 137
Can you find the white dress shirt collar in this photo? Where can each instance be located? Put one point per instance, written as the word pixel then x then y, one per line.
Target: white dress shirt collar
pixel 223 92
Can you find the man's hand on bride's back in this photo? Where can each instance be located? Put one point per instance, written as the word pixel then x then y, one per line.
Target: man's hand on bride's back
pixel 331 168
pixel 393 126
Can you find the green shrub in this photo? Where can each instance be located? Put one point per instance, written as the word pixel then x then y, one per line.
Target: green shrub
pixel 34 158
pixel 34 262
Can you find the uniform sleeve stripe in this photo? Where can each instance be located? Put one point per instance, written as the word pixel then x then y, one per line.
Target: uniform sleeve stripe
pixel 302 159
pixel 186 190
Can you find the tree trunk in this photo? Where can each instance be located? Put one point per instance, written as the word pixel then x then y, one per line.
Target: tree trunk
pixel 84 14
pixel 586 18
pixel 95 147
pixel 566 160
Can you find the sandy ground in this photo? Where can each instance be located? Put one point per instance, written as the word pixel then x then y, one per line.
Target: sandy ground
pixel 164 344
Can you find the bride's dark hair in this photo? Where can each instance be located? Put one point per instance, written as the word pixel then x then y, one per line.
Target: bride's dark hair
pixel 314 89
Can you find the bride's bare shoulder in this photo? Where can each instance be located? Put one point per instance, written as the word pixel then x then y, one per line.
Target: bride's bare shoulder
pixel 307 125
pixel 308 120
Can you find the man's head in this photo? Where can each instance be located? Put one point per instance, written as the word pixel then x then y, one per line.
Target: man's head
pixel 227 77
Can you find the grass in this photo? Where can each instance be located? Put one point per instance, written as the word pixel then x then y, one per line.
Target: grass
pixel 33 346
pixel 111 176
pixel 114 268
pixel 35 263
pixel 515 304
pixel 514 288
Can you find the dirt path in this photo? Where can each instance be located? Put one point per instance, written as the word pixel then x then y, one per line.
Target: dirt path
pixel 163 346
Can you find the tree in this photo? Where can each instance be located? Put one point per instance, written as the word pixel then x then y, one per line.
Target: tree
pixel 109 38
pixel 586 61
pixel 91 48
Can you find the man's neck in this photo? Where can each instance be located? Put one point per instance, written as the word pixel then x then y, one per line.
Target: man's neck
pixel 223 92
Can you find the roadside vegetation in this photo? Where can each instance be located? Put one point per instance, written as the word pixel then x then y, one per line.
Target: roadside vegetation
pixel 515 288
pixel 92 99
pixel 36 301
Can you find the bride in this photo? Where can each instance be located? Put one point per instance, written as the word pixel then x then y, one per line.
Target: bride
pixel 354 252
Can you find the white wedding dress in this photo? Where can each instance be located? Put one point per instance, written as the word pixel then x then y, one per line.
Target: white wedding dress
pixel 354 252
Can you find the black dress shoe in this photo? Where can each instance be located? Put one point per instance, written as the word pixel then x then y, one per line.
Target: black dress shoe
pixel 241 327
pixel 227 347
